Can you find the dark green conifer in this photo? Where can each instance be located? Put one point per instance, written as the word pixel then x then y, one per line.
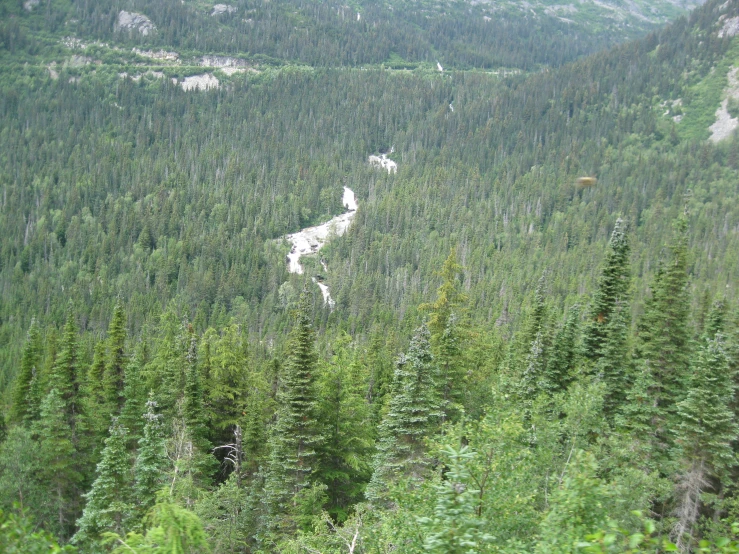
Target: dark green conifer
pixel 295 434
pixel 115 363
pixel 66 375
pixel 345 417
pixel 705 433
pixel 59 465
pixel 134 393
pixel 612 288
pixel 663 339
pixel 613 365
pixel 107 508
pixel 413 415
pixel 563 355
pixel 30 366
pixel 151 459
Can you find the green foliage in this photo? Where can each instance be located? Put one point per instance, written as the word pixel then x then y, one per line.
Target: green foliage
pixel 412 416
pixel 30 366
pixel 578 506
pixel 151 459
pixel 59 467
pixel 455 527
pixel 18 536
pixel 349 432
pixel 295 435
pixel 613 286
pixel 115 363
pixel 170 529
pixel 108 506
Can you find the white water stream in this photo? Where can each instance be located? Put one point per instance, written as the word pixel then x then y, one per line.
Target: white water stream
pixel 310 240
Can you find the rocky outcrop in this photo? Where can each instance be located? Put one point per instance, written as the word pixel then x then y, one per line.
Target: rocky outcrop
pixel 135 22
pixel 28 5
pixel 222 61
pixel 730 27
pixel 200 82
pixel 725 125
pixel 162 55
pixel 219 9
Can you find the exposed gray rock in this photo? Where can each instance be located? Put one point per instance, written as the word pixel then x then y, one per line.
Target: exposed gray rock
pixel 218 9
pixel 131 21
pixel 730 28
pixel 28 5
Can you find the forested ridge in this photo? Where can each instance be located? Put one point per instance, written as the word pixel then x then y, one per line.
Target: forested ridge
pixel 535 342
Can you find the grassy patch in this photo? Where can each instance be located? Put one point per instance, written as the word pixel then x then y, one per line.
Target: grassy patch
pixel 703 98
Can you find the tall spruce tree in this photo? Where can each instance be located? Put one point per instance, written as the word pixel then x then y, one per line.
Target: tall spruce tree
pixel 613 365
pixel 295 434
pixel 30 365
pixel 563 355
pixel 707 428
pixel 151 459
pixel 67 377
pixel 612 289
pixel 663 339
pixel 115 363
pixel 446 333
pixel 134 394
pixel 96 404
pixel 59 465
pixel 108 508
pixel 346 422
pixel 413 415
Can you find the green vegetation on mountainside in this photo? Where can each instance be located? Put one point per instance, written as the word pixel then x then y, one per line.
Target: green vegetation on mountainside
pixel 166 384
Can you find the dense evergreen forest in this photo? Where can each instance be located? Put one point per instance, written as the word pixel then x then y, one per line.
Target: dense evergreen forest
pixel 534 345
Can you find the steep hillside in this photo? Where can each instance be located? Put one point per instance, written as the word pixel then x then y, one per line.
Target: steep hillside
pixel 518 253
pixel 399 34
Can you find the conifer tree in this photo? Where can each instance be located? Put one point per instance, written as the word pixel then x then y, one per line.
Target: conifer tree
pixel 446 334
pixel 58 462
pixel 413 414
pixel 228 381
pixel 531 379
pixel 613 364
pixel 193 394
pixel 705 433
pixel 345 417
pixel 663 339
pixel 165 373
pixel 96 404
pixel 30 365
pixel 294 436
pixel 715 322
pixel 613 286
pixel 135 395
pixel 67 377
pixel 151 459
pixel 39 386
pixel 451 370
pixel 115 364
pixel 561 362
pixel 455 527
pixel 107 508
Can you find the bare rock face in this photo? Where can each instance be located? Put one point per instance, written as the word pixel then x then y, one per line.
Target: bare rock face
pixel 730 27
pixel 218 9
pixel 725 125
pixel 222 61
pixel 131 21
pixel 200 82
pixel 28 5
